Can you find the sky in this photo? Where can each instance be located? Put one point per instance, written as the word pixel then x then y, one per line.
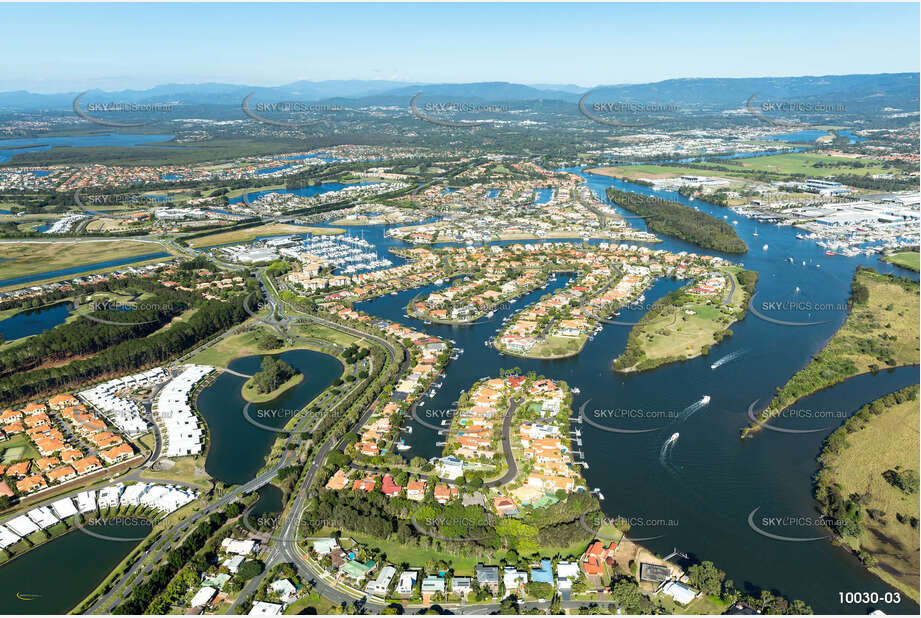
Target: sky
pixel 69 47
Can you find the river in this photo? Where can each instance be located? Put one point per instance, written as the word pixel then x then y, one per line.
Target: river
pixel 710 481
pixel 54 577
pixel 705 487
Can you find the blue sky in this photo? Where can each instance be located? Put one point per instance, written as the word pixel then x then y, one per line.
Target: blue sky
pixel 66 47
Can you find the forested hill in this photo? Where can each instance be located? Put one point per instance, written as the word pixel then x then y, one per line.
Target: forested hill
pixel 680 221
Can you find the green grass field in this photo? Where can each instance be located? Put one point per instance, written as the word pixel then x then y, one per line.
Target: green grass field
pixel 16 448
pixel 908 259
pixel 250 233
pixel 885 327
pixel 887 441
pixel 810 164
pixel 32 258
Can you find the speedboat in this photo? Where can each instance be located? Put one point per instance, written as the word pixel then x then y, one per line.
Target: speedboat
pixel 705 399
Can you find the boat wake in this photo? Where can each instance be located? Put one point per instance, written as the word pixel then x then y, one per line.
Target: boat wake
pixel 694 407
pixel 728 358
pixel 667 447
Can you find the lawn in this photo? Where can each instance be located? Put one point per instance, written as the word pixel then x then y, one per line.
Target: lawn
pixel 412 555
pixel 251 233
pixel 554 346
pixel 883 332
pixel 16 448
pixel 37 257
pixel 246 344
pixel 907 259
pixel 885 442
pixel 810 164
pixel 675 334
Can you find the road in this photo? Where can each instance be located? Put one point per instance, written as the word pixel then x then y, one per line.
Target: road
pixel 282 547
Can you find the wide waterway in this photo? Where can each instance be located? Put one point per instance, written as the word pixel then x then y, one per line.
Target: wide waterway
pixel 237 446
pixel 54 577
pixel 706 485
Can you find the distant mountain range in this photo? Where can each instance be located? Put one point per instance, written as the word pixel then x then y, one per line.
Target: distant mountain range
pixel 898 90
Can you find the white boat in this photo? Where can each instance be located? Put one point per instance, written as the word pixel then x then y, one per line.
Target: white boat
pixel 755 234
pixel 402 446
pixel 672 438
pixel 705 399
pixel 764 248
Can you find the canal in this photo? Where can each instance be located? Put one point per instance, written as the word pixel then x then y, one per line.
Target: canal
pixel 238 447
pixel 53 578
pixel 709 481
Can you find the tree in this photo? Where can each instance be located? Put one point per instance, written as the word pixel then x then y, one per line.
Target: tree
pixel 706 577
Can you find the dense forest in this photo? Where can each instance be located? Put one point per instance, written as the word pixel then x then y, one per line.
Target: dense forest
pixel 132 354
pixel 680 221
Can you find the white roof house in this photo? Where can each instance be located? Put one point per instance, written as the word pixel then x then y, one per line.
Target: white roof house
pixel 237 546
pixel 22 525
pixel 86 501
pixel 379 585
pixel 285 590
pixel 64 508
pixel 7 537
pixel 261 608
pixel 678 591
pixel 108 496
pixel 203 596
pixel 43 517
pixel 132 494
pixel 324 546
pixel 406 583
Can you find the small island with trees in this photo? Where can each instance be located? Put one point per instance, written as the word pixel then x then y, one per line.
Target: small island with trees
pixel 274 378
pixel 680 221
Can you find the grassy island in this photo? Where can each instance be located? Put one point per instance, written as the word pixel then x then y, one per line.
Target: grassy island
pixel 680 221
pixel 867 487
pixel 905 259
pixel 688 322
pixel 275 377
pixel 880 332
